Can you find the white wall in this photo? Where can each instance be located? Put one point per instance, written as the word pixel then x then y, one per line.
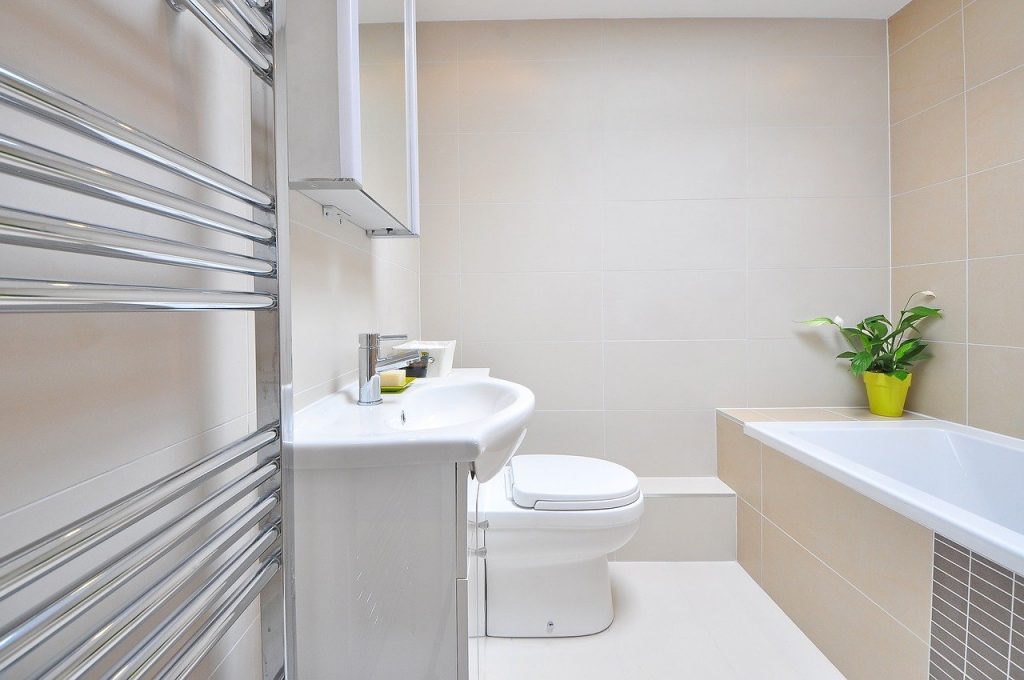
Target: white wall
pixel 628 216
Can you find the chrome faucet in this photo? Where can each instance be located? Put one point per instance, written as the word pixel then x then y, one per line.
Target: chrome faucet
pixel 371 364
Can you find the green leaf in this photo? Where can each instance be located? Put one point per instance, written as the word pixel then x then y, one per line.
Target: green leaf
pixel 846 355
pixel 861 362
pixel 900 374
pixel 922 311
pixel 855 337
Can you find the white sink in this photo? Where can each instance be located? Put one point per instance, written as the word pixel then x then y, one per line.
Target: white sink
pixel 453 419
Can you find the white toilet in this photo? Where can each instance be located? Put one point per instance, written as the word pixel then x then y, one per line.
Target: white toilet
pixel 551 523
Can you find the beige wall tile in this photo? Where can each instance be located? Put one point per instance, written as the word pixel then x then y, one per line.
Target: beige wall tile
pixel 804 414
pixel 928 148
pixel 801 372
pixel 940 383
pixel 862 641
pixel 996 211
pixel 810 37
pixel 995 122
pixel 565 433
pixel 650 94
pixel 816 162
pixel 930 224
pixel 529 40
pixel 916 18
pixel 949 282
pixel 438 97
pixel 529 96
pixel 436 41
pixel 992 38
pixel 928 70
pixel 746 415
pixel 441 301
pixel 748 539
pixel 814 90
pixel 711 372
pixel 883 554
pixel 674 164
pixel 656 40
pixel 530 237
pixel 739 461
pixel 996 396
pixel 695 234
pixel 660 443
pixel 779 298
pixel 536 306
pixel 564 376
pixel 440 243
pixel 684 528
pixel 515 168
pixel 673 305
pixel 439 169
pixel 819 232
pixel 996 287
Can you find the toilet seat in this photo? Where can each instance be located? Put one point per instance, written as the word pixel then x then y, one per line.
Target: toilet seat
pixel 546 482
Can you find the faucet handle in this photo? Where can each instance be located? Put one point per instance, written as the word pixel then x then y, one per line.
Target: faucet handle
pixel 373 339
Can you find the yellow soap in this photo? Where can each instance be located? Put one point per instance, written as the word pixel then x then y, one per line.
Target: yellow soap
pixel 394 378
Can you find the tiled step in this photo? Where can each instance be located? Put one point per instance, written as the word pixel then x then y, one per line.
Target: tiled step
pixel 686 519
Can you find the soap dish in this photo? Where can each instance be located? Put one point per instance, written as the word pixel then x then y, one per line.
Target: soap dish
pixel 399 388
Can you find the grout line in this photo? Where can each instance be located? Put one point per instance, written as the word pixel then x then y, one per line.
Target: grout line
pixel 923 33
pixel 967 234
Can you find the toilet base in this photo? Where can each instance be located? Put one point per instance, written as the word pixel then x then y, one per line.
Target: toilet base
pixel 566 599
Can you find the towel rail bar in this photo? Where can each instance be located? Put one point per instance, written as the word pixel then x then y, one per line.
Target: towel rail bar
pixel 231 35
pixel 251 17
pixel 35 230
pixel 32 162
pixel 31 295
pixel 46 103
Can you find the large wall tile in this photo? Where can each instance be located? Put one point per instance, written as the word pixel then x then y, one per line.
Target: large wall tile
pixel 655 40
pixel 564 376
pixel 739 461
pixel 811 37
pixel 809 91
pixel 528 96
pixel 930 224
pixel 816 162
pixel 674 305
pixel 917 17
pixel 709 373
pixel 440 245
pixel 748 539
pixel 654 94
pixel 928 70
pixel 779 298
pixel 928 148
pixel 995 122
pixel 661 443
pixel 832 612
pixel 530 237
pixel 818 232
pixel 948 280
pixel 996 288
pixel 439 169
pixel 438 97
pixel 522 168
pixel 541 306
pixel 441 302
pixel 529 40
pixel 672 164
pixel 996 392
pixel 801 372
pixel 566 433
pixel 885 555
pixel 648 235
pixel 992 38
pixel 939 388
pixel 996 211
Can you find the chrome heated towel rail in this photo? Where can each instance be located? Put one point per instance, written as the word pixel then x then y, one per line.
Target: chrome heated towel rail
pixel 184 596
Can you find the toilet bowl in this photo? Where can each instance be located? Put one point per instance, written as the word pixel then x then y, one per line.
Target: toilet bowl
pixel 551 522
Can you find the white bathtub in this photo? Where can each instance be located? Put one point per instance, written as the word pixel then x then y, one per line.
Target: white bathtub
pixel 964 483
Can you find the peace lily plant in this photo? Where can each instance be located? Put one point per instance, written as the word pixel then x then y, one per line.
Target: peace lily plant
pixel 883 352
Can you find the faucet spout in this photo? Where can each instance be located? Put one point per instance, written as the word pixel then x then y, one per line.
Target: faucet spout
pixel 371 364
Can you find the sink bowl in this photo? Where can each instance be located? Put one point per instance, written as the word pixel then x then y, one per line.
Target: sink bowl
pixel 480 420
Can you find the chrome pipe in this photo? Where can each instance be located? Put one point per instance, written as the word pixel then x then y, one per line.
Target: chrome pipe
pixel 52 106
pixel 253 18
pixel 262 4
pixel 29 295
pixel 192 653
pixel 39 625
pixel 65 544
pixel 80 661
pixel 35 230
pixel 36 163
pixel 232 36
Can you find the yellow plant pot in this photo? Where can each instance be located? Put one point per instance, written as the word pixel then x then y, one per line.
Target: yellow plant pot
pixel 886 394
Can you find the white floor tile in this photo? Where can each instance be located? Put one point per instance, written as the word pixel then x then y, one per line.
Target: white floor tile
pixel 685 620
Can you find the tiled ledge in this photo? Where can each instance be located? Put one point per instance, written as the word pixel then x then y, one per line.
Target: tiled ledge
pixel 804 414
pixel 655 487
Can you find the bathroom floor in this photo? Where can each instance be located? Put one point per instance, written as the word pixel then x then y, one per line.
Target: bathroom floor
pixel 684 620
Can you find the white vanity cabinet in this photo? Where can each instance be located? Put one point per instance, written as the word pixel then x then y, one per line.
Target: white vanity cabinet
pixel 383 573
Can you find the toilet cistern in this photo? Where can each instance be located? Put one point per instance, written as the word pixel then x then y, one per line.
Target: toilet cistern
pixel 371 364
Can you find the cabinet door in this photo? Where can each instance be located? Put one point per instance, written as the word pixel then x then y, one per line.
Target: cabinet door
pixel 471 580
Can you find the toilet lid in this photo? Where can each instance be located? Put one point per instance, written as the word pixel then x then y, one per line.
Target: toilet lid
pixel 570 483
